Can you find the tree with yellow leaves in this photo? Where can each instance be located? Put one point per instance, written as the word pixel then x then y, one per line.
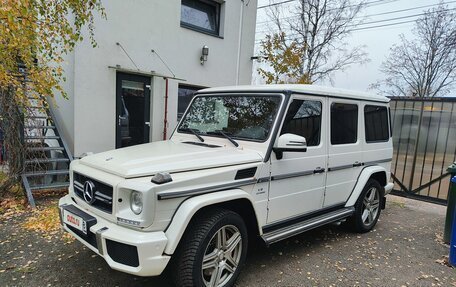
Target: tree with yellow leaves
pixel 35 36
pixel 285 59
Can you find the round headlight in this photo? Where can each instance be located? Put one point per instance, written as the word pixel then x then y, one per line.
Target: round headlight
pixel 136 202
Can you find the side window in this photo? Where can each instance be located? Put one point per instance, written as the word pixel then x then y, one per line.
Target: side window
pixel 344 123
pixel 376 123
pixel 303 118
pixel 185 96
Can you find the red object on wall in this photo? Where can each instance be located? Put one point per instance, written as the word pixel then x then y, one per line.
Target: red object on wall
pixel 165 121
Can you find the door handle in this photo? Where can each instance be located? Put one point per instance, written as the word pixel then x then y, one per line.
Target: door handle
pixel 147 124
pixel 319 170
pixel 356 164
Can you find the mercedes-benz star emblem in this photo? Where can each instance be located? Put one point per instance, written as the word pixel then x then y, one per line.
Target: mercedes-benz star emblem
pixel 89 192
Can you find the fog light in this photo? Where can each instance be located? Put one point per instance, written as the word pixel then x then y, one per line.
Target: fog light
pixel 128 221
pixel 136 202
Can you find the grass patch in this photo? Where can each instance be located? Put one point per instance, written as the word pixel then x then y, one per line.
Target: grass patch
pixel 396 203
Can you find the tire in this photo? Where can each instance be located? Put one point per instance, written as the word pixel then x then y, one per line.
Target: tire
pixel 203 240
pixel 367 207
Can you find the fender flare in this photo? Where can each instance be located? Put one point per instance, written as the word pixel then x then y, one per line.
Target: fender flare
pixel 366 173
pixel 189 207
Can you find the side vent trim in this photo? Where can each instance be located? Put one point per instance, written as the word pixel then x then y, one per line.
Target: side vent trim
pixel 245 173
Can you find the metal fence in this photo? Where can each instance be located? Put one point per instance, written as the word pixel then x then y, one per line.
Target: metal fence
pixel 424 140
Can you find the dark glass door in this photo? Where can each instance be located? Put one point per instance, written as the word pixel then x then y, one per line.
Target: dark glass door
pixel 133 110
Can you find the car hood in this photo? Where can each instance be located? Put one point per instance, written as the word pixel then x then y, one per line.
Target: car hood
pixel 167 156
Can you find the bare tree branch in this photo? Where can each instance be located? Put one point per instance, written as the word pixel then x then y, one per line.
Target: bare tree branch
pixel 426 65
pixel 320 29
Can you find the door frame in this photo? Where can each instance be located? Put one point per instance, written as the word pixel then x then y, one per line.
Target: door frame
pixel 146 80
pixel 288 191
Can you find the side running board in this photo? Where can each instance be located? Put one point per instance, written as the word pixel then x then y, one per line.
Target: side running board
pixel 314 222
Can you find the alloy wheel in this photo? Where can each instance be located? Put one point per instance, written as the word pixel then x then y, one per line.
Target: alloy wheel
pixel 222 256
pixel 371 205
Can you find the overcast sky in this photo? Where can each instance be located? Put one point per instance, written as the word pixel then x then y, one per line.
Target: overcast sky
pixel 377 40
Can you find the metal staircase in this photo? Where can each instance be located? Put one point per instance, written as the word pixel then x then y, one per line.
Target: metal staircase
pixel 47 156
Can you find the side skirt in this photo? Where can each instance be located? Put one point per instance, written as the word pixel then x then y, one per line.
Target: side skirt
pixel 305 225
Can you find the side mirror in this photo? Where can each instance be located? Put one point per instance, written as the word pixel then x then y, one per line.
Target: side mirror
pixel 289 143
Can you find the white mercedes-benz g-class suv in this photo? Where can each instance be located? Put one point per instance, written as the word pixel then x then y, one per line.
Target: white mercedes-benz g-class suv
pixel 244 162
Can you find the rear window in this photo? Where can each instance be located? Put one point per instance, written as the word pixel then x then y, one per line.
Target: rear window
pixel 376 123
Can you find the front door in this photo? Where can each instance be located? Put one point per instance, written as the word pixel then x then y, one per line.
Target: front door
pixel 298 179
pixel 133 110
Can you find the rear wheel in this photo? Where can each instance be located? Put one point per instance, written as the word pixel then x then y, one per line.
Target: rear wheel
pixel 212 251
pixel 367 207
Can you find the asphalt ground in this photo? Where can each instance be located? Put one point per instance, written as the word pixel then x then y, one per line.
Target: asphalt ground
pixel 404 249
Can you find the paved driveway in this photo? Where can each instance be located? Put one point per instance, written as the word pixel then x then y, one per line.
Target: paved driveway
pixel 403 250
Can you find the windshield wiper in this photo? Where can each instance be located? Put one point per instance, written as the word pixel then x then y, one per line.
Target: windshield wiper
pixel 193 131
pixel 219 132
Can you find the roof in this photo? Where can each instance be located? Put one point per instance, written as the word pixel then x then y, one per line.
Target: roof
pixel 302 89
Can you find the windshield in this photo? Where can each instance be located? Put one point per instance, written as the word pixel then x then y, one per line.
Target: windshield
pixel 240 117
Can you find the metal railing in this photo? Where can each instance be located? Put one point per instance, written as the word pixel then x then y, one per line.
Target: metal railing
pixel 424 140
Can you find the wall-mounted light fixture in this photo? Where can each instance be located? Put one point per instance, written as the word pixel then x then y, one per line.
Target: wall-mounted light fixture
pixel 204 54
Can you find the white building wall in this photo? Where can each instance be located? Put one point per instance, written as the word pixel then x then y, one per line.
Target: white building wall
pixel 140 26
pixel 64 107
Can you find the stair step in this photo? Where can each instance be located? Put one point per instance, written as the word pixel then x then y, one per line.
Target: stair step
pixel 48 172
pixel 41 137
pixel 46 160
pixel 302 226
pixel 39 127
pixel 45 148
pixel 50 186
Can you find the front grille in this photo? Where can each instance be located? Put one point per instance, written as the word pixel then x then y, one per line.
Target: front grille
pixel 122 253
pixel 103 192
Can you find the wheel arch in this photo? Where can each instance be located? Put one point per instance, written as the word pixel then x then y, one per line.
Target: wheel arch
pixel 236 200
pixel 375 172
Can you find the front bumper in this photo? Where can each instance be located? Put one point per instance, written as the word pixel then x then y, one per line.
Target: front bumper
pixel 124 249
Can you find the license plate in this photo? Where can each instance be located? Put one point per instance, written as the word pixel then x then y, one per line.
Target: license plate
pixel 74 221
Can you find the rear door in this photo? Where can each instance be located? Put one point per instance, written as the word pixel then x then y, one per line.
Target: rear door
pixel 344 150
pixel 298 179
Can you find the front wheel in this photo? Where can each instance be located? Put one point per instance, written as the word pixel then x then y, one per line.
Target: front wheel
pixel 212 251
pixel 367 207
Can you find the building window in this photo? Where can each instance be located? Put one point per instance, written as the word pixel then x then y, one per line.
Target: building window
pixel 376 123
pixel 185 96
pixel 304 119
pixel 201 15
pixel 344 123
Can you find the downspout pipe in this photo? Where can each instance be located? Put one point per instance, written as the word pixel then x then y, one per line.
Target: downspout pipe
pixel 165 120
pixel 241 23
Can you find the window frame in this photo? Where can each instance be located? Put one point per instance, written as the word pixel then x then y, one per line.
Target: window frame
pixel 357 122
pixel 218 10
pixel 186 86
pixel 387 124
pixel 390 122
